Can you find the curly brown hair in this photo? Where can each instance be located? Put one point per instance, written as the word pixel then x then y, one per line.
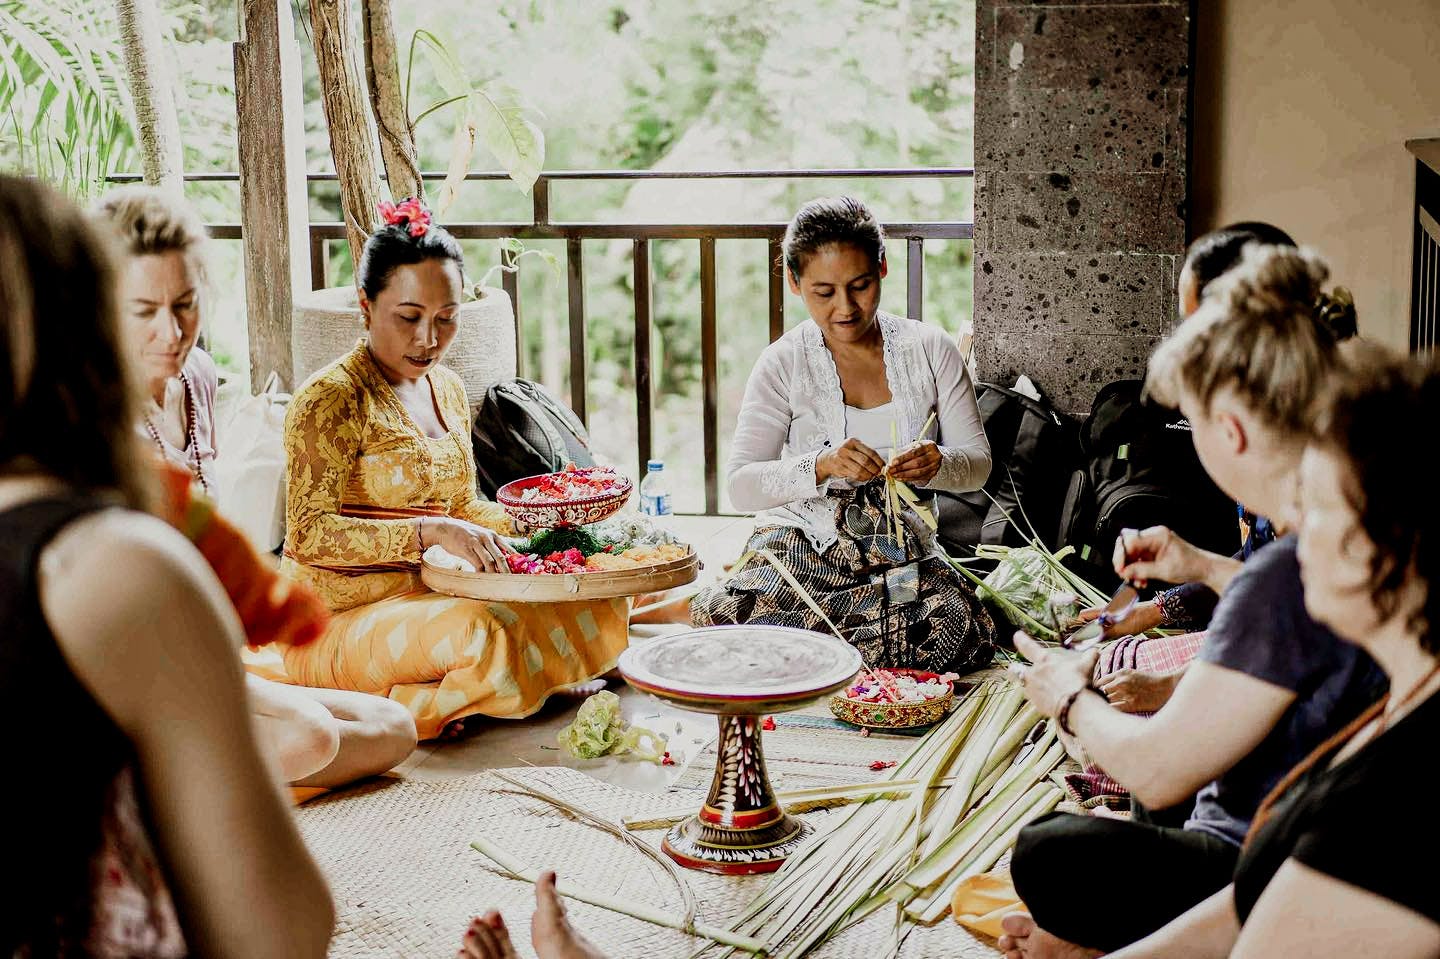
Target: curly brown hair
pixel 1368 417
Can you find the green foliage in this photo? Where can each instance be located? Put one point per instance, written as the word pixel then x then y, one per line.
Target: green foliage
pixel 64 107
pixel 599 729
pixel 495 111
pixel 512 251
pixel 633 84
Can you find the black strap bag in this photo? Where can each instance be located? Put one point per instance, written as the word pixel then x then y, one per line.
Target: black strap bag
pixel 520 429
pixel 1033 448
pixel 1139 469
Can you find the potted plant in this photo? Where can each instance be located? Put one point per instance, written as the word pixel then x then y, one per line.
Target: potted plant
pixel 327 322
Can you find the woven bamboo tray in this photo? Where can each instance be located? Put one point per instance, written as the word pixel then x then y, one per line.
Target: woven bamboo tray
pixel 567 588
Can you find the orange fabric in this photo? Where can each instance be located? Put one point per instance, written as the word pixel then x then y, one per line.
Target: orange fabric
pixel 982 901
pixel 271 608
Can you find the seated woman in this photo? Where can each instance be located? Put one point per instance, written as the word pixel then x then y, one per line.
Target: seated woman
pixel 1269 684
pixel 380 468
pixel 119 681
pixel 320 738
pixel 1141 676
pixel 831 409
pixel 1326 873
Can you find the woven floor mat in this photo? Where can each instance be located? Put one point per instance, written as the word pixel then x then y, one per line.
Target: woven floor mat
pixel 406 883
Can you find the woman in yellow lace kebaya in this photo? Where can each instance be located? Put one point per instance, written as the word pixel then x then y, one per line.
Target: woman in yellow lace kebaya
pixel 381 468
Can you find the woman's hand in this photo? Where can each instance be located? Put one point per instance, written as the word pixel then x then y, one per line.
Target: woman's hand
pixel 1133 691
pixel 852 460
pixel 1053 674
pixel 484 548
pixel 1158 553
pixel 917 463
pixel 1143 618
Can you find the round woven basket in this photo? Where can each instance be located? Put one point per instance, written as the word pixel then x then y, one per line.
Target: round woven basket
pixel 327 324
pixel 894 715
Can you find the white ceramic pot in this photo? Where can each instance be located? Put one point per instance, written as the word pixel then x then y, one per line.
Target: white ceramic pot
pixel 327 323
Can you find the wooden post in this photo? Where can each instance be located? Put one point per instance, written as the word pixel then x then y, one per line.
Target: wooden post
pixel 274 215
pixel 382 76
pixel 347 115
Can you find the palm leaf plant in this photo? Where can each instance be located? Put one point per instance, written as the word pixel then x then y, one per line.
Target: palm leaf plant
pixel 64 105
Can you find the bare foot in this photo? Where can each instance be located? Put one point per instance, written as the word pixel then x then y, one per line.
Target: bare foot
pixel 487 938
pixel 584 690
pixel 1025 940
pixel 458 728
pixel 550 932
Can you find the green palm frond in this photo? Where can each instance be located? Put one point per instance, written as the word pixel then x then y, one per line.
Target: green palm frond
pixel 63 94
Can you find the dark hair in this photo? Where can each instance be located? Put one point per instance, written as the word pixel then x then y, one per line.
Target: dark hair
pixel 1218 251
pixel 828 221
pixel 1368 417
pixel 392 246
pixel 67 408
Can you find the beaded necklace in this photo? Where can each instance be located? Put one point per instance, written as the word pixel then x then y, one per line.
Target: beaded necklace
pixel 190 417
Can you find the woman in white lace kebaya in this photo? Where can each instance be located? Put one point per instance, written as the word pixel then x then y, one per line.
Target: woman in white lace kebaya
pixel 831 408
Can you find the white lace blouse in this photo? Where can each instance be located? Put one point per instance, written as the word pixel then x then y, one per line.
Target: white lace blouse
pixel 794 410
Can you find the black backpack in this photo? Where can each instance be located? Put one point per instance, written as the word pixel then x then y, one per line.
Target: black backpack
pixel 520 429
pixel 1139 469
pixel 1033 447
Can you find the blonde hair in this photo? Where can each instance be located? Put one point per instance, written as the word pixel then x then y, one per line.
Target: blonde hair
pixel 147 220
pixel 1255 333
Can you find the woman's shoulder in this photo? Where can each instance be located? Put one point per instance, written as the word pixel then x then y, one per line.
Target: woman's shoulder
pixel 345 377
pixel 791 346
pixel 930 335
pixel 85 554
pixel 201 370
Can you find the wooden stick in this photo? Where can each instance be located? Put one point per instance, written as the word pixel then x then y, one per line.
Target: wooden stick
pixel 635 910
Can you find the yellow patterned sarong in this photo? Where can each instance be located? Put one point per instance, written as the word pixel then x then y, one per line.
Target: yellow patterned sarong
pixel 446 658
pixel 359 472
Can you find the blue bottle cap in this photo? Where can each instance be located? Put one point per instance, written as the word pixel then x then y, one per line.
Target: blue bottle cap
pixel 655 466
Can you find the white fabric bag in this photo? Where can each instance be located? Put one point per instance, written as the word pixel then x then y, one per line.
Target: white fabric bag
pixel 250 464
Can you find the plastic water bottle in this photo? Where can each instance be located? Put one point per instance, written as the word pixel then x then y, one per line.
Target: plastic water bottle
pixel 655 490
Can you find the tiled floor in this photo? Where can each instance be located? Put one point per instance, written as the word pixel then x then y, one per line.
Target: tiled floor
pixel 503 743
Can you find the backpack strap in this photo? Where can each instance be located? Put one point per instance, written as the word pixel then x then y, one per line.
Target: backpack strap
pixel 1023 452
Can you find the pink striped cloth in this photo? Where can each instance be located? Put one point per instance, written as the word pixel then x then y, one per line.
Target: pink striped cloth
pixel 1159 654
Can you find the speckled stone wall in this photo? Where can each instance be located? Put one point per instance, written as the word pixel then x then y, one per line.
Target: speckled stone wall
pixel 1080 188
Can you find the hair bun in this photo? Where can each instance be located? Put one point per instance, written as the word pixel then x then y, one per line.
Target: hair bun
pixel 1335 311
pixel 1270 280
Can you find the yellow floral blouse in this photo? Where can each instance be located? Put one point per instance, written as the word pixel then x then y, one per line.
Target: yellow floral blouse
pixel 353 452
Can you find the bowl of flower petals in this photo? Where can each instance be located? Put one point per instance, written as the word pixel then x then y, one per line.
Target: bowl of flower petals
pixel 575 496
pixel 623 556
pixel 895 698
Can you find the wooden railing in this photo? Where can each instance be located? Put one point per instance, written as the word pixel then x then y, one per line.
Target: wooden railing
pixel 705 235
pixel 1425 267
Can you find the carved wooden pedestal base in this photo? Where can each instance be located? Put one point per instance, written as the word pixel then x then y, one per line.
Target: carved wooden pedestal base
pixel 741 829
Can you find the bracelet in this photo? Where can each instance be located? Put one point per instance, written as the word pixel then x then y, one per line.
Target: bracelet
pixel 1062 718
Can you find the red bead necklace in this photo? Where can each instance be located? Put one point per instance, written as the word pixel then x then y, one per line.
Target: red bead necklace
pixel 190 419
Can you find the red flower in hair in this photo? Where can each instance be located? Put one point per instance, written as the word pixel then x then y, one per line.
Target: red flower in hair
pixel 409 212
